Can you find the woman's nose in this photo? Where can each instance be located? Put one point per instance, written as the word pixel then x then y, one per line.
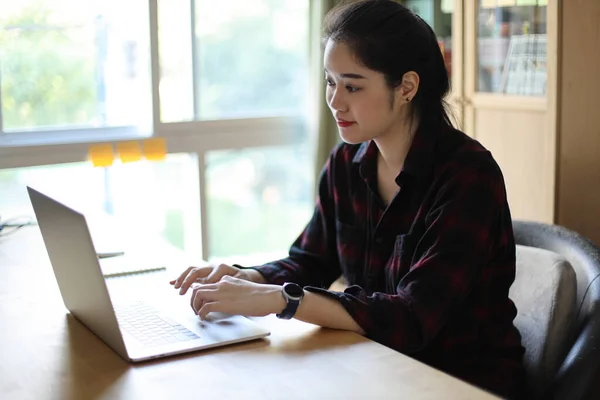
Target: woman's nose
pixel 337 102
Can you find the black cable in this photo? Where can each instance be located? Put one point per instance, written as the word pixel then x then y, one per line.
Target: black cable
pixel 12 225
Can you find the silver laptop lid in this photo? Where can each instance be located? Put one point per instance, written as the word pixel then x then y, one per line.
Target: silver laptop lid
pixel 73 257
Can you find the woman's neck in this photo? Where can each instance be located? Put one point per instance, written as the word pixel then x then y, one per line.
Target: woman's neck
pixel 394 146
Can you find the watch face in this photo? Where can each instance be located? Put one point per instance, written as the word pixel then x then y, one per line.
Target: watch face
pixel 293 290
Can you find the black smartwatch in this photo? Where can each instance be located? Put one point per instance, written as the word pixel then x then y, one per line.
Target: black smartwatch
pixel 293 295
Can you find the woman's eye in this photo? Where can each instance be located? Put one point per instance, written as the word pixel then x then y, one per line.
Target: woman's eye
pixel 329 82
pixel 352 89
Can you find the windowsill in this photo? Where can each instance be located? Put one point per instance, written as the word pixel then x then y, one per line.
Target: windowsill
pixel 31 148
pixel 84 135
pixel 70 136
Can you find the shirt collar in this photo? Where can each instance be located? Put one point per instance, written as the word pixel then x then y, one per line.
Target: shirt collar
pixel 418 162
pixel 366 159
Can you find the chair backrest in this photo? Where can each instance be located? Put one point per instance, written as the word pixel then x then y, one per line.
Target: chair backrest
pixel 580 368
pixel 544 292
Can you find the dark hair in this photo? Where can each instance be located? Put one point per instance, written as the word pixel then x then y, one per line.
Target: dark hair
pixel 387 37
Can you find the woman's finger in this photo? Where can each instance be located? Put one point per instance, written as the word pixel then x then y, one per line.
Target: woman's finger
pixel 215 306
pixel 201 294
pixel 193 276
pixel 207 292
pixel 195 303
pixel 188 280
pixel 177 282
pixel 219 272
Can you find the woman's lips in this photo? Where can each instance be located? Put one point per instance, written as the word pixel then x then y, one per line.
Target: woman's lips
pixel 344 124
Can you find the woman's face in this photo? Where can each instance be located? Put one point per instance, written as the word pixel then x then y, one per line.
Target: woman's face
pixel 359 98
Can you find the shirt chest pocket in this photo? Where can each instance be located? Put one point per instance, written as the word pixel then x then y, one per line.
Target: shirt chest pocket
pixel 351 249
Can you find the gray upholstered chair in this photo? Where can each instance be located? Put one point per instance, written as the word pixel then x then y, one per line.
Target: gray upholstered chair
pixel 557 293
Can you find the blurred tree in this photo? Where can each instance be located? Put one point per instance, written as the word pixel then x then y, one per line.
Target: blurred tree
pixel 46 77
pixel 243 72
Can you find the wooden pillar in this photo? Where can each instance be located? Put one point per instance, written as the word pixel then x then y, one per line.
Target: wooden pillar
pixel 578 118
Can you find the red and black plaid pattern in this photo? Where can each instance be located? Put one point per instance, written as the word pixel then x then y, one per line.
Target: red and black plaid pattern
pixel 429 273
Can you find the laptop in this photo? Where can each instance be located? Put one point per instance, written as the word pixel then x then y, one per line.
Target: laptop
pixel 138 331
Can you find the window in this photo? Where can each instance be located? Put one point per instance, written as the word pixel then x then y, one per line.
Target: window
pixel 250 193
pixel 224 82
pixel 72 63
pixel 236 59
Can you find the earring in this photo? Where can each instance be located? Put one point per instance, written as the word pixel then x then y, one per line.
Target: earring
pixel 408 99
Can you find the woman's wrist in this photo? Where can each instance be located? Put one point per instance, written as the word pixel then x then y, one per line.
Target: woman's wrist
pixel 254 276
pixel 277 300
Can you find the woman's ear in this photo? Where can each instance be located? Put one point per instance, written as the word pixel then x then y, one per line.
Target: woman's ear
pixel 409 86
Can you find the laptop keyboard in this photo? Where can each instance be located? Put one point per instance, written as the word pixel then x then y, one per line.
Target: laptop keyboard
pixel 150 328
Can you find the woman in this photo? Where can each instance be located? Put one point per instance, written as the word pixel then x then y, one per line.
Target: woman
pixel 412 212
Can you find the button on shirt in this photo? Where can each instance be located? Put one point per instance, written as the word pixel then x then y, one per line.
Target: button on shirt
pixel 429 273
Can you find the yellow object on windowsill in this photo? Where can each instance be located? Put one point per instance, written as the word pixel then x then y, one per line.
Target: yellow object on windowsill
pixel 101 155
pixel 129 151
pixel 155 149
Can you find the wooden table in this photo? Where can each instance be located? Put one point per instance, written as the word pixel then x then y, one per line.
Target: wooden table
pixel 46 354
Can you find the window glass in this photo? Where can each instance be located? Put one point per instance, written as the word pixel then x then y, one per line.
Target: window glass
pixel 249 59
pixel 259 200
pixel 512 47
pixel 74 63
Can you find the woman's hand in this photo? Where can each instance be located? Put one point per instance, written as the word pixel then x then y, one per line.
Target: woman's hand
pixel 211 274
pixel 237 296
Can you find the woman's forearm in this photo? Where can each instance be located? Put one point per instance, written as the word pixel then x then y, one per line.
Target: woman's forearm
pixel 314 308
pixel 323 311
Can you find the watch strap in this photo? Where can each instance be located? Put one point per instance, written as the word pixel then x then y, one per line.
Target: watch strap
pixel 290 309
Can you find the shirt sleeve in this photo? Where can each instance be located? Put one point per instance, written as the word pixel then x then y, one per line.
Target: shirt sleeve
pixel 312 257
pixel 454 249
